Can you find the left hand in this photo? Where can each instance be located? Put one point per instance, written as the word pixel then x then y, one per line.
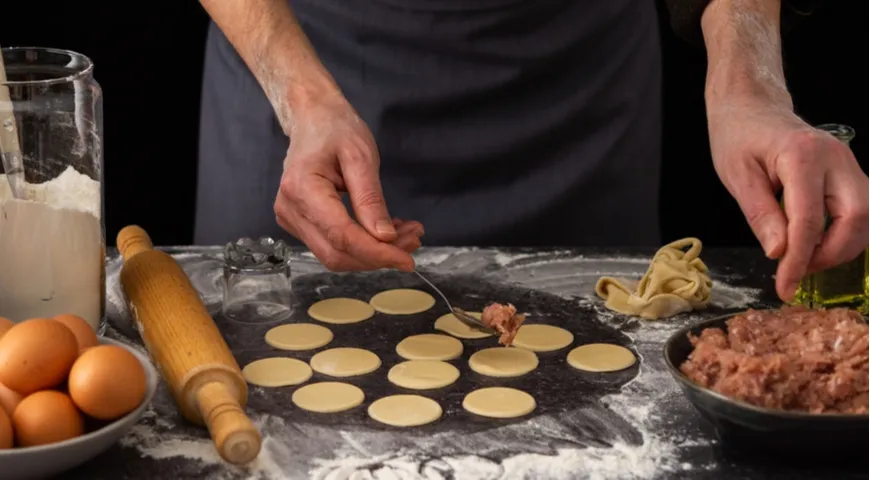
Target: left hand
pixel 757 149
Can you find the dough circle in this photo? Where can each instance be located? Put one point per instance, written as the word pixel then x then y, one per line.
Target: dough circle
pixel 429 346
pixel 543 338
pixel 345 362
pixel 341 310
pixel 503 361
pixel 499 402
pixel 276 372
pixel 402 301
pixel 298 336
pixel 448 323
pixel 423 374
pixel 405 410
pixel 601 357
pixel 328 397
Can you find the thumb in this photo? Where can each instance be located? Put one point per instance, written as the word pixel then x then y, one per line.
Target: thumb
pixel 762 211
pixel 360 172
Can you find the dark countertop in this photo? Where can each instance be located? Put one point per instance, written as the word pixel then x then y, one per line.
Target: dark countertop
pixel 632 424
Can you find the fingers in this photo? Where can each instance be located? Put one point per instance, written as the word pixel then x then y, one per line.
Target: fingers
pixel 359 166
pixel 754 193
pixel 846 203
pixel 804 200
pixel 310 236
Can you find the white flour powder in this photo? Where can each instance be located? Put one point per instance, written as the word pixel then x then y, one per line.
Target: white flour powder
pixel 51 249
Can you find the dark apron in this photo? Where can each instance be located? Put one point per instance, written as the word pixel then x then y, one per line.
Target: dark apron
pixel 499 122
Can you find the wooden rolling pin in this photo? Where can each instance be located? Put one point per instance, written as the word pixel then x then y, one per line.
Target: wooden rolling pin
pixel 187 347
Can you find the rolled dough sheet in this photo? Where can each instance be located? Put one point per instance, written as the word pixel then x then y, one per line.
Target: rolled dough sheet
pixel 298 336
pixel 328 397
pixel 451 325
pixel 277 372
pixel 405 410
pixel 345 362
pixel 499 402
pixel 601 357
pixel 429 346
pixel 402 301
pixel 543 338
pixel 341 310
pixel 503 361
pixel 423 374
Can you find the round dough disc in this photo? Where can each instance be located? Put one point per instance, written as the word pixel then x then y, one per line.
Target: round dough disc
pixel 341 310
pixel 499 402
pixel 328 397
pixel 429 346
pixel 276 372
pixel 601 357
pixel 402 301
pixel 345 362
pixel 450 324
pixel 423 374
pixel 405 410
pixel 298 336
pixel 503 361
pixel 543 338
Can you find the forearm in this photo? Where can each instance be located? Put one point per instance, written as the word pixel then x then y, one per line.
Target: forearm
pixel 744 54
pixel 267 36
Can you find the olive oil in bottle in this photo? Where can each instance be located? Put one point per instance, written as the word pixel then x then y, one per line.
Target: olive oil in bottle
pixel 844 285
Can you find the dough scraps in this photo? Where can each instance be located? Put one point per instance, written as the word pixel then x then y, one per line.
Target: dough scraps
pixel 429 346
pixel 298 336
pixel 601 357
pixel 345 362
pixel 328 397
pixel 499 402
pixel 402 301
pixel 543 338
pixel 676 281
pixel 341 310
pixel 504 319
pixel 448 323
pixel 276 372
pixel 503 362
pixel 423 374
pixel 405 410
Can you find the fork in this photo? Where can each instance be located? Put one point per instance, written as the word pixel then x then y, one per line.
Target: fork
pixel 460 314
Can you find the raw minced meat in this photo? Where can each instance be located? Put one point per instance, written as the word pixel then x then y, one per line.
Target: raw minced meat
pixel 792 359
pixel 504 319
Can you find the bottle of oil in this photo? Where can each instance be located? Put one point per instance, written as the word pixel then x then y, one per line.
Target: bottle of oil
pixel 845 285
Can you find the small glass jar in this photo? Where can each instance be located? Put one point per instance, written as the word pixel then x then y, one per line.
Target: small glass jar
pixel 257 283
pixel 52 233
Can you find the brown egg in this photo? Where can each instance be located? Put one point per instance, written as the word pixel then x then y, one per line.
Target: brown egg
pixel 85 335
pixel 36 354
pixel 6 435
pixel 107 382
pixel 5 325
pixel 9 399
pixel 46 417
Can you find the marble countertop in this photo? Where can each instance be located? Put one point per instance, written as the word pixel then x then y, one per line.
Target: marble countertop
pixel 633 424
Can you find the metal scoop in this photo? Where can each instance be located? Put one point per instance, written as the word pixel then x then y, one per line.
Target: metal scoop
pixel 463 316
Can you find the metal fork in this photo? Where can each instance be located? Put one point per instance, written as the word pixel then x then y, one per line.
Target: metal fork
pixel 462 315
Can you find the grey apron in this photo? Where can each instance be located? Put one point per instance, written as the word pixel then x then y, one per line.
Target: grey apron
pixel 498 122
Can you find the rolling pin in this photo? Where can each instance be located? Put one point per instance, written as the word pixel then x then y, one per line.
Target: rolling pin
pixel 184 342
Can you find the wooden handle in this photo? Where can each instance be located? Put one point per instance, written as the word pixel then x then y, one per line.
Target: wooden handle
pixel 195 361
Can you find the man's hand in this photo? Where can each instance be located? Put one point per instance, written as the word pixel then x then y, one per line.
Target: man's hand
pixel 759 146
pixel 332 151
pixel 758 149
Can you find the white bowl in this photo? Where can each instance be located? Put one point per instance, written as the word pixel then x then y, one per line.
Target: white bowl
pixel 48 460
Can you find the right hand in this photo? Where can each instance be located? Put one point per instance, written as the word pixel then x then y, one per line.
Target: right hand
pixel 332 151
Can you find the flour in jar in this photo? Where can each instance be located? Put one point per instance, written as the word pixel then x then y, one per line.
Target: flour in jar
pixel 52 255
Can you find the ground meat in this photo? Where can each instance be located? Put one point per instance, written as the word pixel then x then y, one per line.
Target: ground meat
pixel 504 319
pixel 789 359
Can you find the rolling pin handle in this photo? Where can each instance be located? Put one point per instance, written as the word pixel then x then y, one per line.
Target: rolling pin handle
pixel 132 240
pixel 235 436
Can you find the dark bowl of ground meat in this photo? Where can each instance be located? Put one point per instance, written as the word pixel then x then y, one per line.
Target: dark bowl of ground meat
pixel 788 381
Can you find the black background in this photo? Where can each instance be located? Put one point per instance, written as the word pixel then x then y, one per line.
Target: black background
pixel 149 56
